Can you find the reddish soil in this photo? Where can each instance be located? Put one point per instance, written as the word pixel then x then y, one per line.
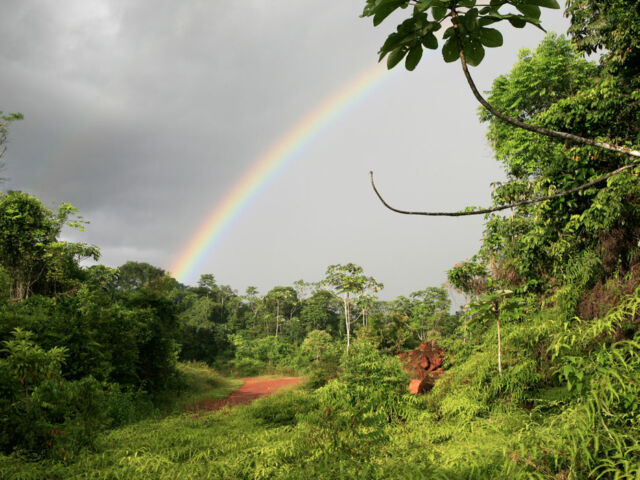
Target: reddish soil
pixel 424 365
pixel 252 388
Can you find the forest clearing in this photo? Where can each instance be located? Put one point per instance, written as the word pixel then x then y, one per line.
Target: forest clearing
pixel 524 363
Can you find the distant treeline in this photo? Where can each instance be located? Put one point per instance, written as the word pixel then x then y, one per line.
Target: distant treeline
pixel 91 346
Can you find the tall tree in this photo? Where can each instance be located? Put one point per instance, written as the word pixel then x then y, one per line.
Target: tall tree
pixel 282 301
pixel 349 281
pixel 133 275
pixel 321 312
pixel 5 121
pixel 430 307
pixel 252 300
pixel 30 251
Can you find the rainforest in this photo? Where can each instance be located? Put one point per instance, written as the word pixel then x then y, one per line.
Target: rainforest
pixel 125 372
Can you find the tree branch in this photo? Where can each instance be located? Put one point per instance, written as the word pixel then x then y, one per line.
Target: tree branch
pixel 523 125
pixel 510 205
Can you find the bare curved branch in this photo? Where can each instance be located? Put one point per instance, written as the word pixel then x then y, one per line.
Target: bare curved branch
pixel 526 126
pixel 484 211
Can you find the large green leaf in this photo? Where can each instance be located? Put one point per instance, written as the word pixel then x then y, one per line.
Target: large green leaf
pixel 484 21
pixel 517 22
pixel 392 42
pixel 470 19
pixel 413 58
pixel 422 5
pixel 450 51
pixel 430 41
pixel 396 56
pixel 384 9
pixel 532 11
pixel 490 37
pixel 439 12
pixel 473 51
pixel 544 3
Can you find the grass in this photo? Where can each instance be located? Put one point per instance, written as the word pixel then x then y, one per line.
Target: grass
pixel 219 444
pixel 200 383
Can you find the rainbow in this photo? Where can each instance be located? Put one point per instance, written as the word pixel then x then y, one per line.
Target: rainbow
pixel 269 164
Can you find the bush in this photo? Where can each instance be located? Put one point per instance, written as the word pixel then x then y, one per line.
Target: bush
pixel 370 390
pixel 319 355
pixel 262 355
pixel 42 413
pixel 248 367
pixel 282 409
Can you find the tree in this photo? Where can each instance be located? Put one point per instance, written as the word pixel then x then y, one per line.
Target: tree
pixel 317 344
pixel 225 293
pixel 303 289
pixel 349 281
pixel 5 121
pixel 610 26
pixel 133 275
pixel 466 40
pixel 30 251
pixel 538 240
pixel 321 312
pixel 283 300
pixel 252 300
pixel 207 282
pixel 492 306
pixel 430 307
pixel 365 303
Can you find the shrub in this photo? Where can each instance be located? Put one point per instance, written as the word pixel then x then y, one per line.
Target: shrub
pixel 248 367
pixel 43 413
pixel 282 409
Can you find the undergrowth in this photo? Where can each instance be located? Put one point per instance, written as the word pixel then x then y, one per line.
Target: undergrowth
pixel 566 407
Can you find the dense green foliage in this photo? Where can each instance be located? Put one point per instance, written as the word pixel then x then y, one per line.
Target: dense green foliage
pixel 609 26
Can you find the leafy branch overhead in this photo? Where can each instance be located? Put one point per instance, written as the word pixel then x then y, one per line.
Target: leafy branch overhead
pixel 473 20
pixel 465 40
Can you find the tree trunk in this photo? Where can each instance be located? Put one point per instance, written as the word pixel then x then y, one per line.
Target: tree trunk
pixel 347 320
pixel 18 289
pixel 277 315
pixel 499 346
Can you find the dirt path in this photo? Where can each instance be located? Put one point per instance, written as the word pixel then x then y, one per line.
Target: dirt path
pixel 254 387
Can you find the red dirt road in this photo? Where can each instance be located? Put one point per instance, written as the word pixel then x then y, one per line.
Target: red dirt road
pixel 254 387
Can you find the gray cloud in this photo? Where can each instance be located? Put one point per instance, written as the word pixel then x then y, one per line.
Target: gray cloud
pixel 143 114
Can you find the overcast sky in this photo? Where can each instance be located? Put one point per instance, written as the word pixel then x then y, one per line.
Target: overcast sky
pixel 144 113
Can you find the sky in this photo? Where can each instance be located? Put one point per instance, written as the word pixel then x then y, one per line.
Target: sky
pixel 145 114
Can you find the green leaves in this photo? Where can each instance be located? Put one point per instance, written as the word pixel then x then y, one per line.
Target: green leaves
pixel 450 51
pixel 396 57
pixel 490 37
pixel 385 8
pixel 532 11
pixel 439 13
pixel 415 54
pixel 545 3
pixel 426 16
pixel 473 51
pixel 430 41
